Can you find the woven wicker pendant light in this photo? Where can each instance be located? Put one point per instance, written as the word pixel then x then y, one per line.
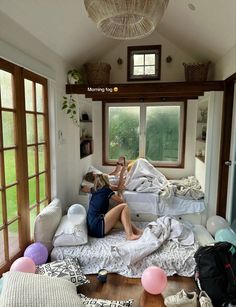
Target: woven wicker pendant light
pixel 126 19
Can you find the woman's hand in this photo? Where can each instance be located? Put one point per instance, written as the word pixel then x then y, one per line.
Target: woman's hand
pixel 117 199
pixel 86 189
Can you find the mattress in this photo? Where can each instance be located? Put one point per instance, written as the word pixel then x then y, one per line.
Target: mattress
pixel 151 203
pixel 97 254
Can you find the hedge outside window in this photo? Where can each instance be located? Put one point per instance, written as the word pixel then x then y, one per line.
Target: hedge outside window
pixel 144 63
pixel 154 131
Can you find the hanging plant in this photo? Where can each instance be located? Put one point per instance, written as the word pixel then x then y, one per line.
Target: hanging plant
pixel 69 106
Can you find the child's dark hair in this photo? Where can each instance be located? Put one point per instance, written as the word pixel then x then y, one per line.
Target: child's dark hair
pixel 89 177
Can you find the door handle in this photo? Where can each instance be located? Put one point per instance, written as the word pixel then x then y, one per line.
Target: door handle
pixel 228 163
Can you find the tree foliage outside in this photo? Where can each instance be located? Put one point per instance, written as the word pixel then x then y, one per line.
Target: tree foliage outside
pixel 162 132
pixel 124 132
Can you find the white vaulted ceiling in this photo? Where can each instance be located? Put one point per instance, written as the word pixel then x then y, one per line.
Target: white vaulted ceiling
pixel 208 32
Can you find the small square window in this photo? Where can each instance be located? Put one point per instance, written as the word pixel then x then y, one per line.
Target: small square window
pixel 144 63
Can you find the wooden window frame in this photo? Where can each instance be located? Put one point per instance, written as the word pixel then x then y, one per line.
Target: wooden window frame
pixel 23 209
pixel 183 123
pixel 144 50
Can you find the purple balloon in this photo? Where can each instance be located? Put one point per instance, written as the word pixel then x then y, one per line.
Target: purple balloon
pixel 37 252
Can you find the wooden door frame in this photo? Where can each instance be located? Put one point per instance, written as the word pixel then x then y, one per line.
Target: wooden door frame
pixel 226 128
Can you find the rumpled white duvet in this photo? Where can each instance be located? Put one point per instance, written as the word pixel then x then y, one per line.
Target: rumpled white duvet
pixel 155 234
pixel 143 177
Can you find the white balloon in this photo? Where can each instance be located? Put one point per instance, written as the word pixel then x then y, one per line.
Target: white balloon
pixel 215 223
pixel 76 214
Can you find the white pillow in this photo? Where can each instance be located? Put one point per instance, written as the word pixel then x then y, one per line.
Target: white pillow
pixel 27 290
pixel 46 223
pixel 94 170
pixel 69 234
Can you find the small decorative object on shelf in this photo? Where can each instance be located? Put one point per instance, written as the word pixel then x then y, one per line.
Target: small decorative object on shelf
pixel 199 153
pixel 85 116
pixel 204 133
pixel 86 147
pixel 203 112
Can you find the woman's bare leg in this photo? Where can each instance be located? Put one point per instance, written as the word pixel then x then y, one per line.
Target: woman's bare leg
pixel 137 230
pixel 121 183
pixel 119 164
pixel 120 213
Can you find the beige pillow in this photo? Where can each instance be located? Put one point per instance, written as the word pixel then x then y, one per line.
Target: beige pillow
pixel 29 290
pixel 46 223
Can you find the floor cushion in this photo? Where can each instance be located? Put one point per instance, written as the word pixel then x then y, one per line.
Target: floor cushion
pixel 29 290
pixel 68 268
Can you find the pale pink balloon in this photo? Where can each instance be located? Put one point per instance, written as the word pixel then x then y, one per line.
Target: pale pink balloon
pixel 23 264
pixel 154 280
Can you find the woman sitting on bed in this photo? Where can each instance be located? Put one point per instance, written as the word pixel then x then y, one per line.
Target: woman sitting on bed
pixel 100 221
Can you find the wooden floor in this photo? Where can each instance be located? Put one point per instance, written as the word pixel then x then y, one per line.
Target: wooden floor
pixel 121 288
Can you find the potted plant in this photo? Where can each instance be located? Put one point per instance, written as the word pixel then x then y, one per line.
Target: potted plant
pixel 74 76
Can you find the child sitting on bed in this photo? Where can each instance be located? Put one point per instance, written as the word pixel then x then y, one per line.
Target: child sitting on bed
pixel 100 221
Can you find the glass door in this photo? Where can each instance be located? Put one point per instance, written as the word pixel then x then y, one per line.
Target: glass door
pixel 10 214
pixel 37 143
pixel 24 158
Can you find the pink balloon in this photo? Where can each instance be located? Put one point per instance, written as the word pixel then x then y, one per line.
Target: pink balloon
pixel 154 280
pixel 23 264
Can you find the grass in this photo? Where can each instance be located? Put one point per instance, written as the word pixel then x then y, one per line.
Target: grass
pixel 11 193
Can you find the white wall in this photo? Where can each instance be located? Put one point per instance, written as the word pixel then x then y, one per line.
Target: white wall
pixel 226 66
pixel 173 71
pixel 20 47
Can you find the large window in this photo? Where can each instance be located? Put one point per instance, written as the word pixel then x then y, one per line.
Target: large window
pixel 24 157
pixel 154 131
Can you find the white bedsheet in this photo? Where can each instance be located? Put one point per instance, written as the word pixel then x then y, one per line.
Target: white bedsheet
pixel 154 236
pixel 152 203
pixel 96 254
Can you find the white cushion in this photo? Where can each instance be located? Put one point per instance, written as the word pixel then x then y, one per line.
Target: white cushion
pixel 46 223
pixel 69 234
pixel 28 290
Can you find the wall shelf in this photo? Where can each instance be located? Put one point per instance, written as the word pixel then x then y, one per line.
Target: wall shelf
pixel 161 91
pixel 86 121
pixel 201 140
pixel 201 158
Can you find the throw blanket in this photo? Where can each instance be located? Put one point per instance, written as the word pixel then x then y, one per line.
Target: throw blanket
pixel 143 177
pixel 155 234
pixel 188 188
